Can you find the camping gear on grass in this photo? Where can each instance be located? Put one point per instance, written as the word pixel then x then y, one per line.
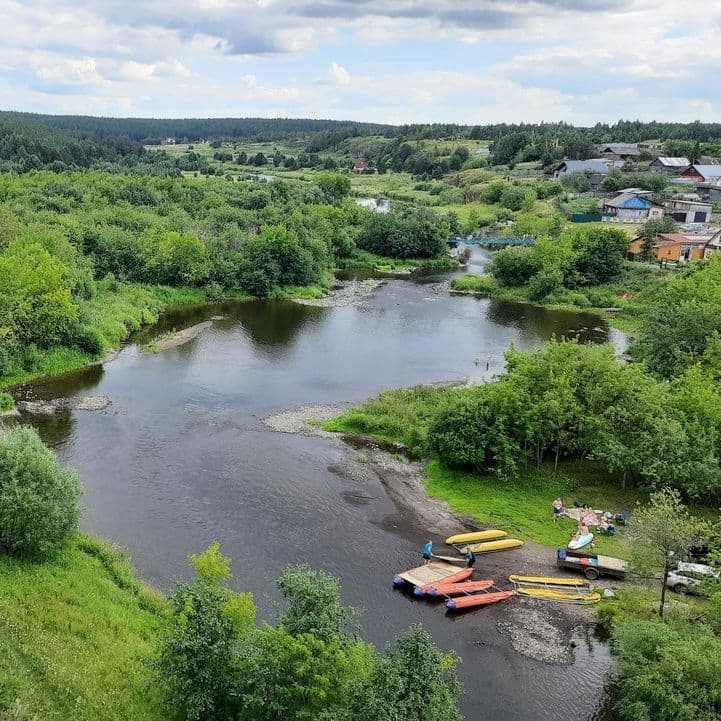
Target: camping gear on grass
pixel 580 540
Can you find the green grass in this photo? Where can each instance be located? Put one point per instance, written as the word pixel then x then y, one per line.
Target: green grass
pixel 484 285
pixel 523 506
pixel 117 310
pixel 6 402
pixel 76 633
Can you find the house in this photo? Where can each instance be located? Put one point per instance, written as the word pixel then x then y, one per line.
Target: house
pixel 710 191
pixel 650 146
pixel 360 166
pixel 631 207
pixel 688 211
pixel 484 151
pixel 669 165
pixel 679 248
pixel 596 169
pixel 619 151
pixel 169 141
pixel 713 245
pixel 702 173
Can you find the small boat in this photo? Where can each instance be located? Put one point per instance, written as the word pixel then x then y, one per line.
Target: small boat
pixel 475 537
pixel 548 581
pixel 575 543
pixel 503 544
pixel 461 575
pixel 458 589
pixel 477 599
pixel 450 559
pixel 570 596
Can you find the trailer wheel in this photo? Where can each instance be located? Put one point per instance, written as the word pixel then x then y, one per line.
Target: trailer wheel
pixel 591 574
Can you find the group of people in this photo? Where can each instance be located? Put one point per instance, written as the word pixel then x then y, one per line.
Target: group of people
pixel 587 516
pixel 428 554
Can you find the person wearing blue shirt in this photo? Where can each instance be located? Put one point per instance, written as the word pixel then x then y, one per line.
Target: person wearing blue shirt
pixel 427 552
pixel 470 557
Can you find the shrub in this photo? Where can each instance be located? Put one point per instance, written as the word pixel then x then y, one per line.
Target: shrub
pixel 6 402
pixel 544 282
pixel 38 499
pixel 513 266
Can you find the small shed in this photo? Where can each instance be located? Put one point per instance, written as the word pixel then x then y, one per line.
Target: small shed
pixel 688 211
pixel 619 151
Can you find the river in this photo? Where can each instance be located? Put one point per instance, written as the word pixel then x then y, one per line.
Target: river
pixel 181 458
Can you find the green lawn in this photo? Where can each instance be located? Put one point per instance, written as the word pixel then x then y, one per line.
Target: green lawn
pixel 523 506
pixel 76 633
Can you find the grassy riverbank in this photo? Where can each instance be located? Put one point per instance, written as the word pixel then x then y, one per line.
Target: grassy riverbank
pixel 628 295
pixel 363 260
pixel 116 311
pixel 77 631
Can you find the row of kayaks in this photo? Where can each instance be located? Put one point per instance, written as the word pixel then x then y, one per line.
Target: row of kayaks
pixel 483 541
pixel 461 592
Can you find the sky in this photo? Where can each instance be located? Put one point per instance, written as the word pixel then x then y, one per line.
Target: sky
pixel 388 61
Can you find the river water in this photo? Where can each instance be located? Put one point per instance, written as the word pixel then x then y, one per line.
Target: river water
pixel 181 458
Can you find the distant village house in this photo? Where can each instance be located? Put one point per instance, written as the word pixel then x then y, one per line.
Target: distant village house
pixel 619 151
pixel 360 166
pixel 670 166
pixel 596 169
pixel 678 247
pixel 631 206
pixel 688 211
pixel 702 173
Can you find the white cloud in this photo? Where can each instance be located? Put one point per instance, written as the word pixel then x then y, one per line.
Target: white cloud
pixel 338 74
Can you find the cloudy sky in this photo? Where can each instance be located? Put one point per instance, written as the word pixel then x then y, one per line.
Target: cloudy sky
pixel 467 61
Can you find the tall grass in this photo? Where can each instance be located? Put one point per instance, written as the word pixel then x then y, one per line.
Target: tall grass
pixel 76 633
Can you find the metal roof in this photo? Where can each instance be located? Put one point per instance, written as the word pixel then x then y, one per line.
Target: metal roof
pixel 629 200
pixel 620 148
pixel 597 165
pixel 707 171
pixel 674 162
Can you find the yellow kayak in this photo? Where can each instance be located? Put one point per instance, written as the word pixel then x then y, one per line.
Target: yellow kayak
pixel 549 580
pixel 475 537
pixel 548 594
pixel 502 545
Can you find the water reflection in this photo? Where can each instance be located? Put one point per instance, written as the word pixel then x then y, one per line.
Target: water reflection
pixel 181 458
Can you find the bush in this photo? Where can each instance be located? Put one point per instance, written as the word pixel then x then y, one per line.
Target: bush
pixel 513 266
pixel 6 402
pixel 512 198
pixel 38 499
pixel 544 282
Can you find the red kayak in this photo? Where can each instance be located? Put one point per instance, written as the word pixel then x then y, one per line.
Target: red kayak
pixel 461 575
pixel 479 599
pixel 458 589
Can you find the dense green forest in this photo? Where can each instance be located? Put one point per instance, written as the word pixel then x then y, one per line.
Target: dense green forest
pixel 86 257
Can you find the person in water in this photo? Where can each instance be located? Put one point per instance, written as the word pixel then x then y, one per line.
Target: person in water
pixel 427 552
pixel 470 557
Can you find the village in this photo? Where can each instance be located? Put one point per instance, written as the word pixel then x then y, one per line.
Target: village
pixel 692 230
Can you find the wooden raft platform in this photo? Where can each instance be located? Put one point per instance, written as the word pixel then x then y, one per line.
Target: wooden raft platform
pixel 432 572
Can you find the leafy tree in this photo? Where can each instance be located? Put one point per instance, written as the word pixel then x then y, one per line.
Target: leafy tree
pixel 663 531
pixel 412 680
pixel 313 604
pixel 335 187
pixel 513 266
pixel 459 156
pixel 173 258
pixel 667 673
pixel 577 182
pixel 512 197
pixel 38 499
pixel 600 254
pixel 35 296
pixel 198 654
pixel 505 149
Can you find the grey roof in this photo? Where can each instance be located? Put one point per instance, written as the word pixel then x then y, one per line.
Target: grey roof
pixel 708 171
pixel 620 148
pixel 673 162
pixel 596 165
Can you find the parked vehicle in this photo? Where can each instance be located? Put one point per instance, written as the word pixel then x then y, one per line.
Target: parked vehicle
pixel 591 565
pixel 688 577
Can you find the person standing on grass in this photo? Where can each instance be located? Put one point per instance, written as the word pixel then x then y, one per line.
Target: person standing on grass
pixel 427 552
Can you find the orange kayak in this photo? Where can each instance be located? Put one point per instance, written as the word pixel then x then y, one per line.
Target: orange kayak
pixel 479 599
pixel 458 589
pixel 461 575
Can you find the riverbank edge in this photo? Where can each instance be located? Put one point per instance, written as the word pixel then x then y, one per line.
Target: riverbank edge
pixel 405 482
pixel 624 322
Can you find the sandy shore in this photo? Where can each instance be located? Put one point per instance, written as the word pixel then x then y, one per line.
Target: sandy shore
pixel 349 292
pixel 536 629
pixel 178 338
